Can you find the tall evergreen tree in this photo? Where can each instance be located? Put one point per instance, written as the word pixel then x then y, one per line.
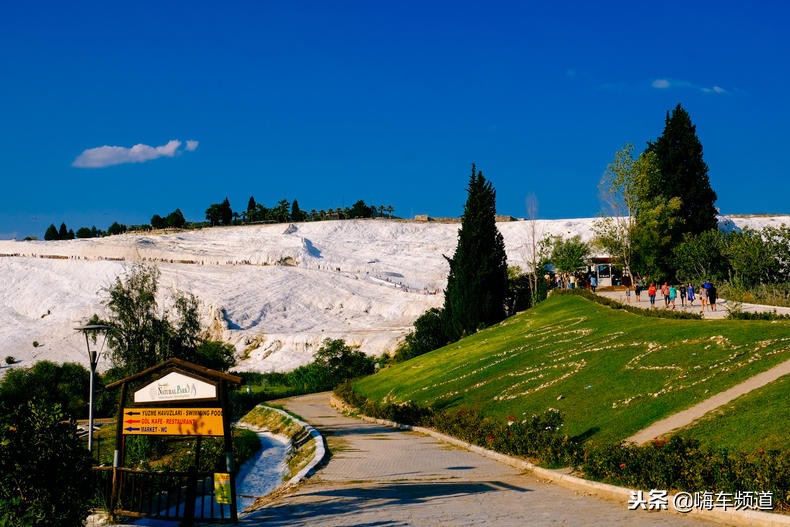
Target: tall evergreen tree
pixel 226 213
pixel 477 283
pixel 63 232
pixel 296 213
pixel 683 173
pixel 52 233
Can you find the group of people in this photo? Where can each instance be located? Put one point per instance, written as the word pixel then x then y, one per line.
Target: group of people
pixel 687 293
pixel 572 281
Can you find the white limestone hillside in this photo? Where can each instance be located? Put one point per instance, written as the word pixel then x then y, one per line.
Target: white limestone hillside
pixel 274 291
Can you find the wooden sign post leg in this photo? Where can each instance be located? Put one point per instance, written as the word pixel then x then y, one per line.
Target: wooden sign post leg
pixel 228 439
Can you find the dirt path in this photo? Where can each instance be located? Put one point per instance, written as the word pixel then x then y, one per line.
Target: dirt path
pixel 379 476
pixel 686 417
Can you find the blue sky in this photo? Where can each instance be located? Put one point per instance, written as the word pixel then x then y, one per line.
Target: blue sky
pixel 390 102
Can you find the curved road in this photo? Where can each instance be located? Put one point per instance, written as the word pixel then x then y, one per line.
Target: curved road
pixel 378 476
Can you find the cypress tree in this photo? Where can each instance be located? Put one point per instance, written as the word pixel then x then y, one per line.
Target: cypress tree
pixel 684 174
pixel 477 283
pixel 63 232
pixel 226 213
pixel 296 212
pixel 52 233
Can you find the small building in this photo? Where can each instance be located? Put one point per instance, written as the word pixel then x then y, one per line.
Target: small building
pixel 607 273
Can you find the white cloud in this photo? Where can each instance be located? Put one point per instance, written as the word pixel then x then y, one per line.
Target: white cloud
pixel 715 89
pixel 105 156
pixel 663 84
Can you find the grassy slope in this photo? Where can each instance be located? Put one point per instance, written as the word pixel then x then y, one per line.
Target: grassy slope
pixel 758 419
pixel 616 372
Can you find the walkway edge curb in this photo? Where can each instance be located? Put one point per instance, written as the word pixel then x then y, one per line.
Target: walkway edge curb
pixel 318 455
pixel 604 490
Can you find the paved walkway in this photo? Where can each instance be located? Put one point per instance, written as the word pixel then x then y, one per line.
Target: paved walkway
pixel 378 476
pixel 721 305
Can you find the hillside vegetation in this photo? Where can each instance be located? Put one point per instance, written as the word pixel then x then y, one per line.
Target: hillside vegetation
pixel 611 373
pixel 758 418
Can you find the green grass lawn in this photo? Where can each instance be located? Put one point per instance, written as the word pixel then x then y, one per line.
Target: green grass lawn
pixel 757 420
pixel 610 372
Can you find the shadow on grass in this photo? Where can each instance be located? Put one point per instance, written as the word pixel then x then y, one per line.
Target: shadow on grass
pixel 587 434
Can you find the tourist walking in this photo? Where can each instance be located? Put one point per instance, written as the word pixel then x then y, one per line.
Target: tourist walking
pixel 712 297
pixel 651 293
pixel 703 297
pixel 638 290
pixel 673 293
pixel 690 294
pixel 682 293
pixel 665 292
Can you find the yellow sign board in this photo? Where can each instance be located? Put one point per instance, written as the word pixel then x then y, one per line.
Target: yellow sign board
pixel 173 421
pixel 222 487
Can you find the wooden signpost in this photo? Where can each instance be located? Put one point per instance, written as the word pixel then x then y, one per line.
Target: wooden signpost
pixel 176 398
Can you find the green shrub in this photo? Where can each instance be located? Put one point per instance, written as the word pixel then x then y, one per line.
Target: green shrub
pixel 66 385
pixel 335 362
pixel 681 464
pixel 768 294
pixel 45 470
pixel 429 334
pixel 763 315
pixel 538 437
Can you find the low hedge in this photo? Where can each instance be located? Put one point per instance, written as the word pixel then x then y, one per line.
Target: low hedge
pixel 762 315
pixel 676 464
pixel 682 464
pixel 614 304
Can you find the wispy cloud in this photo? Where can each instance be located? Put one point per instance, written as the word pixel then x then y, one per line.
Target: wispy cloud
pixel 714 89
pixel 665 84
pixel 105 156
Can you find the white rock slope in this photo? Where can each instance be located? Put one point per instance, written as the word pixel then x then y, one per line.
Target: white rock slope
pixel 274 291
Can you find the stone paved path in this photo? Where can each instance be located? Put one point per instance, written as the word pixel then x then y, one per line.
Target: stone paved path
pixel 378 476
pixel 721 307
